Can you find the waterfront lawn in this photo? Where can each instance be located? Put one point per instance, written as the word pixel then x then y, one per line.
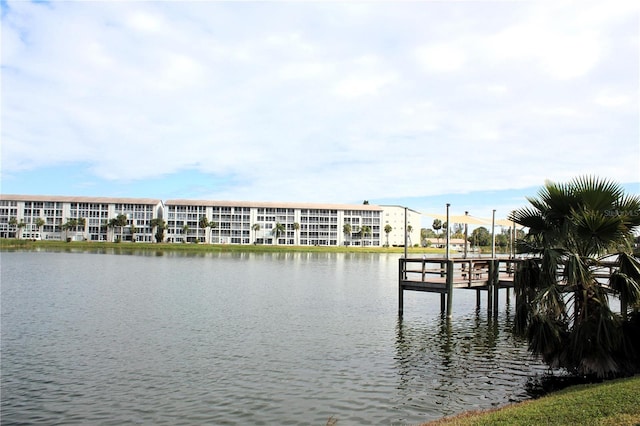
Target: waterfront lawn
pixel 615 402
pixel 203 248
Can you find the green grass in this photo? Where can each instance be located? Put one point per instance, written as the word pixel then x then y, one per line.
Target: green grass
pixel 9 244
pixel 615 402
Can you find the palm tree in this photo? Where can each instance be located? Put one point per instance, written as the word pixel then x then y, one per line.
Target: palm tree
pixel 69 224
pixel 106 225
pixel 119 221
pixel 387 230
pixel 409 231
pixel 13 222
pixel 437 225
pixel 204 224
pixel 423 237
pixel 111 224
pixel 255 228
pixel 296 229
pixel 563 310
pixel 40 222
pixel 20 225
pixel 185 231
pixel 158 226
pixel 278 230
pixel 365 231
pixel 213 225
pixel 82 222
pixel 346 229
pixel 132 230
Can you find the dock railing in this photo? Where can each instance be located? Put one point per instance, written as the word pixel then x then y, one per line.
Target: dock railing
pixel 443 275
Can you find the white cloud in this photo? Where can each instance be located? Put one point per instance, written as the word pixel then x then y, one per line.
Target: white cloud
pixel 363 85
pixel 306 70
pixel 145 22
pixel 441 57
pixel 564 40
pixel 497 89
pixel 611 99
pixel 320 102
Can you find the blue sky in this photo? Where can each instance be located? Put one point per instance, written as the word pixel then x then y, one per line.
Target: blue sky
pixel 410 103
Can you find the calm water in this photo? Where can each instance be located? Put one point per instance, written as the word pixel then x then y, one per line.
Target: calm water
pixel 172 339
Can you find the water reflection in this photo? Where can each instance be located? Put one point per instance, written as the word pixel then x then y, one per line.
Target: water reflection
pixel 241 338
pixel 449 365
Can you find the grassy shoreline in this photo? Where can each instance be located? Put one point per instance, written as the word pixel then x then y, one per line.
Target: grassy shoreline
pixel 615 402
pixel 12 244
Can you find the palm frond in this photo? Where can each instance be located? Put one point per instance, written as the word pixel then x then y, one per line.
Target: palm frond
pixel 594 341
pixel 597 231
pixel 576 272
pixel 570 323
pixel 628 208
pixel 551 259
pixel 596 193
pixel 545 337
pixel 626 280
pixel 529 218
pixel 560 199
pixel 530 244
pixel 626 287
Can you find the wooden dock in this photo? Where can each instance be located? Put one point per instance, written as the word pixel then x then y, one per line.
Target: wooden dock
pixel 479 274
pixel 443 275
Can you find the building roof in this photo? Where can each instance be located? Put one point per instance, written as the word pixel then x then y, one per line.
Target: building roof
pixel 183 202
pixel 399 207
pixel 269 204
pixel 77 199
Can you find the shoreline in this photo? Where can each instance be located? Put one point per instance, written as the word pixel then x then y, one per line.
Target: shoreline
pixel 15 244
pixel 614 401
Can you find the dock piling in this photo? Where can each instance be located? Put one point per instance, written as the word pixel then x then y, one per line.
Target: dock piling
pixel 449 288
pixel 401 275
pixel 441 276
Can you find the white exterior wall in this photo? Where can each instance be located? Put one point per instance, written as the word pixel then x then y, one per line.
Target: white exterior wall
pixel 56 211
pixel 394 216
pixel 305 224
pixel 317 224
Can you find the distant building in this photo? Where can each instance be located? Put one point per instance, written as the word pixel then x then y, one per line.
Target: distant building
pixel 20 214
pixel 454 243
pixel 240 222
pixel 394 216
pixel 227 222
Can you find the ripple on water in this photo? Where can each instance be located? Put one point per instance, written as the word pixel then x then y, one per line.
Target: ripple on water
pixel 173 340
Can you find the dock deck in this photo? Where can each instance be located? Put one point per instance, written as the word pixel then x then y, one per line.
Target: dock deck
pixel 442 276
pixel 481 274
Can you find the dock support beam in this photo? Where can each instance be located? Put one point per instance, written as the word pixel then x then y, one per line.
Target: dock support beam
pixel 401 266
pixel 449 288
pixel 495 278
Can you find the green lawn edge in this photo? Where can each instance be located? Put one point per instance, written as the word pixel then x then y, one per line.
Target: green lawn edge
pixel 615 402
pixel 14 244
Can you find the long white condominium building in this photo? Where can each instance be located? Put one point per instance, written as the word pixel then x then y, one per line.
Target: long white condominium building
pixel 49 217
pixel 236 222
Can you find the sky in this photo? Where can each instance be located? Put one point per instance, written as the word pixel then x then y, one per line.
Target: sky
pixel 414 103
